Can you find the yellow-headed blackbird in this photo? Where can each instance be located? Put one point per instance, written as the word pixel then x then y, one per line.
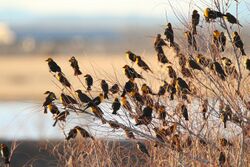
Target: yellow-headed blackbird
pixel 159 42
pixel 145 89
pixel 138 97
pixel 162 113
pixel 182 60
pixel 67 100
pixel 88 81
pixel 83 97
pixel 114 89
pixel 171 72
pixel 162 89
pixel 224 142
pixel 222 41
pixel 146 116
pixel 141 147
pixel 129 134
pixel 142 64
pixel 238 43
pixel 63 80
pixel 105 88
pixel 171 88
pixel 226 61
pixel 114 124
pixel 219 70
pixel 73 132
pixel 195 20
pixel 53 66
pixel 193 64
pixel 131 56
pixel 116 105
pixel 216 35
pixel 191 40
pixel 202 60
pixel 204 108
pixel 184 111
pixel 127 106
pixel 48 100
pixel 61 117
pixel 95 102
pixel 128 87
pixel 212 14
pixel 247 64
pixel 169 34
pixel 5 153
pixel 53 109
pixel 222 159
pixel 131 73
pixel 186 72
pixel 231 19
pixel 181 85
pixel 98 113
pixel 74 65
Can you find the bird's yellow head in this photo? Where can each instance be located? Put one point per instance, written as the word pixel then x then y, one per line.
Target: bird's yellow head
pixel 216 34
pixel 49 59
pixel 206 12
pixel 235 34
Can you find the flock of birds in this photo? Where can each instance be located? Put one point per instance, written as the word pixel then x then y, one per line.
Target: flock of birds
pixel 144 104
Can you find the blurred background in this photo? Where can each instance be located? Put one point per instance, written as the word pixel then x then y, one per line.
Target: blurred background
pixel 95 32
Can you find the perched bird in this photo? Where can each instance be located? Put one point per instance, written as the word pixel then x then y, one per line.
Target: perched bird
pixel 226 61
pixel 193 64
pixel 238 43
pixel 129 134
pixel 88 81
pixel 137 97
pixel 216 35
pixel 186 72
pixel 162 113
pixel 181 85
pixel 63 80
pixel 48 100
pixel 231 19
pixel 182 60
pixel 219 70
pixel 141 147
pixel 222 41
pixel 67 100
pixel 191 40
pixel 195 20
pixel 114 124
pixel 53 66
pixel 247 64
pixel 5 153
pixel 95 102
pixel 114 89
pixel 125 104
pixel 78 130
pixel 83 97
pixel 53 109
pixel 222 159
pixel 212 14
pixel 202 60
pixel 171 88
pixel 184 111
pixel 74 65
pixel 142 64
pixel 98 113
pixel 145 89
pixel 116 105
pixel 105 88
pixel 61 117
pixel 131 56
pixel 146 116
pixel 128 87
pixel 131 73
pixel 169 34
pixel 158 44
pixel 171 72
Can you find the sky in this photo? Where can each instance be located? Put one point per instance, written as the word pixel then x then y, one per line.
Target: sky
pixel 23 10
